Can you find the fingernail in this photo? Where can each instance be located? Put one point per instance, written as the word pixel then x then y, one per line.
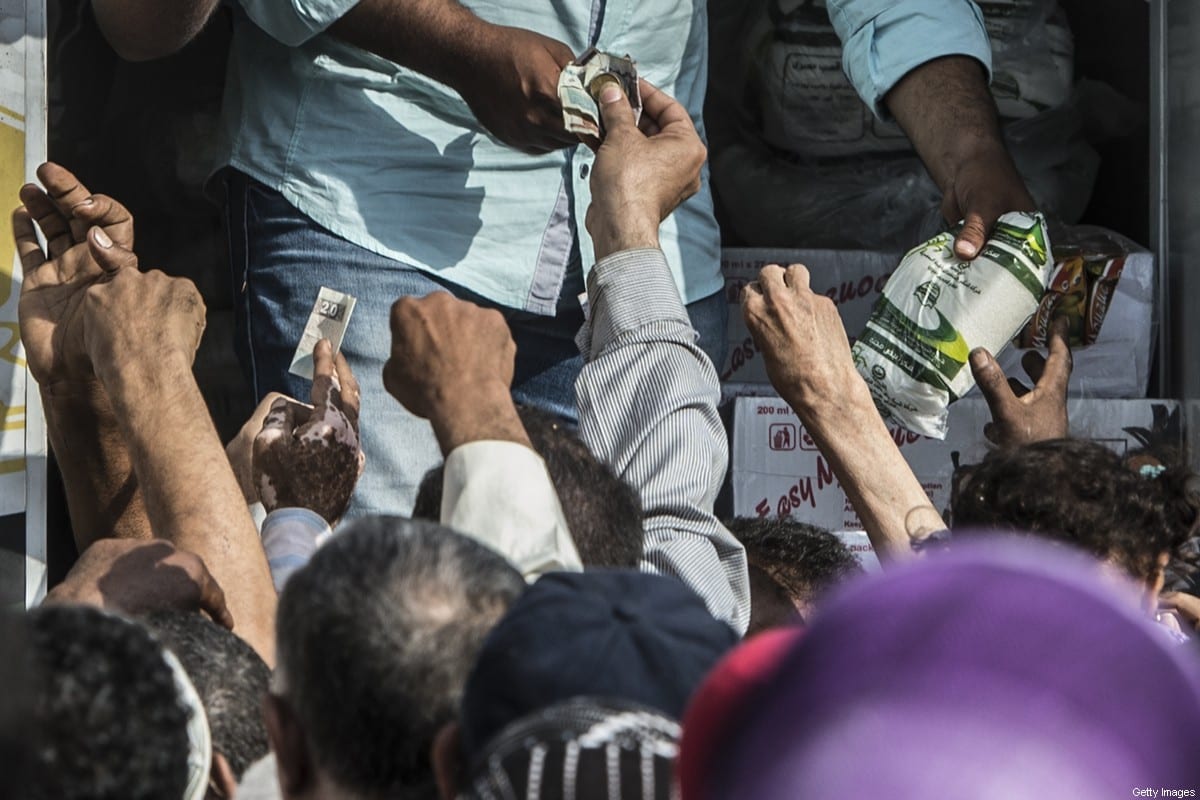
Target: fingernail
pixel 980 358
pixel 968 249
pixel 610 94
pixel 85 202
pixel 102 238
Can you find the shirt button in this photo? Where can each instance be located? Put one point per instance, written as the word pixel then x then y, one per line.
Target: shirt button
pixel 583 172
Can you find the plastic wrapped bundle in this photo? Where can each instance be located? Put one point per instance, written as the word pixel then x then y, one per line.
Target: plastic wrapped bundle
pixel 936 308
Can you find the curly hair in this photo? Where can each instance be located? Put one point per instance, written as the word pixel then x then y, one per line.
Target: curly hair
pixel 803 559
pixel 1072 491
pixel 1181 488
pixel 110 723
pixel 229 676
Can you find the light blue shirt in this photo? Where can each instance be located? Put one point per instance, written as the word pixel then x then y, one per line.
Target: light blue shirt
pixel 397 164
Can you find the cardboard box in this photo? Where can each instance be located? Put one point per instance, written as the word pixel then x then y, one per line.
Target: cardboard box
pixel 1116 366
pixel 778 471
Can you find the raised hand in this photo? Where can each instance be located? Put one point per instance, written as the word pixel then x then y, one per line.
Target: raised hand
pixel 638 178
pixel 56 276
pixel 808 359
pixel 1021 415
pixel 800 335
pixel 134 316
pixel 309 456
pixel 452 363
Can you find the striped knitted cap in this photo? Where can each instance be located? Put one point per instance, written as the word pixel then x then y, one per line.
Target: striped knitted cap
pixel 582 749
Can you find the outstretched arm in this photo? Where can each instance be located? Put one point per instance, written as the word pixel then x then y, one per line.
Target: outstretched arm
pixel 808 360
pixel 507 76
pixel 947 111
pixel 927 63
pixel 452 363
pixel 141 332
pixel 647 395
pixel 102 491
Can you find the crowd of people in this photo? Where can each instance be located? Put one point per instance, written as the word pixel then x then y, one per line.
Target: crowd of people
pixel 550 607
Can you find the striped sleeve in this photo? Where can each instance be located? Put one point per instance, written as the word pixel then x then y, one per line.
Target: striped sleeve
pixel 647 398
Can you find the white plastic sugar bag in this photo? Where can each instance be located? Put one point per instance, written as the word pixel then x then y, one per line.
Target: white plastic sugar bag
pixel 936 308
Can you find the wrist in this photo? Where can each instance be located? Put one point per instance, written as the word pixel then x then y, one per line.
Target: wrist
pixel 146 378
pixel 475 412
pixel 632 232
pixel 826 409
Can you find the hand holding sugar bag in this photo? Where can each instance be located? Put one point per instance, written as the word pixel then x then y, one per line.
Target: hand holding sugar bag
pixel 936 308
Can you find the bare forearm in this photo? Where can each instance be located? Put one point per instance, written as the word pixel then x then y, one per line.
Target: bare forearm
pixel 192 497
pixel 102 491
pixel 879 483
pixel 479 414
pixel 948 112
pixel 140 30
pixel 436 38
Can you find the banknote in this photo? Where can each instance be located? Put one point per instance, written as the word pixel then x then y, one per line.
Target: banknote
pixel 328 320
pixel 580 83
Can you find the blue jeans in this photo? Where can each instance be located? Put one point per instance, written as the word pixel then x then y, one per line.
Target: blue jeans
pixel 279 260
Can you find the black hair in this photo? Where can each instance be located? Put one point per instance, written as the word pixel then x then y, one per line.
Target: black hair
pixel 602 511
pixel 1073 491
pixel 803 559
pixel 376 636
pixel 110 719
pixel 229 676
pixel 1181 489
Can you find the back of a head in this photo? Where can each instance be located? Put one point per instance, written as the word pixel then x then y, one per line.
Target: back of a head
pixel 1180 485
pixel 110 717
pixel 1002 669
pixel 376 636
pixel 618 634
pixel 1073 491
pixel 801 560
pixel 582 749
pixel 229 676
pixel 602 511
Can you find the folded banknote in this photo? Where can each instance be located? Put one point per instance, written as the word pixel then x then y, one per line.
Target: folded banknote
pixel 580 84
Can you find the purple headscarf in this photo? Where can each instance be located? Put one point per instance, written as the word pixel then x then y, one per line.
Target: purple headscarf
pixel 1004 669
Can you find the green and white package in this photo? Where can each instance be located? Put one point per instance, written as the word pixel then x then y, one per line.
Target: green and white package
pixel 936 308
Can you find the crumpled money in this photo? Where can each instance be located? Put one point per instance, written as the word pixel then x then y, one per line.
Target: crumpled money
pixel 581 81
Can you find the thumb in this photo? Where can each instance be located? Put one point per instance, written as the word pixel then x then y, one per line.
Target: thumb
pixel 972 237
pixel 278 426
pixel 111 257
pixel 993 383
pixel 614 107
